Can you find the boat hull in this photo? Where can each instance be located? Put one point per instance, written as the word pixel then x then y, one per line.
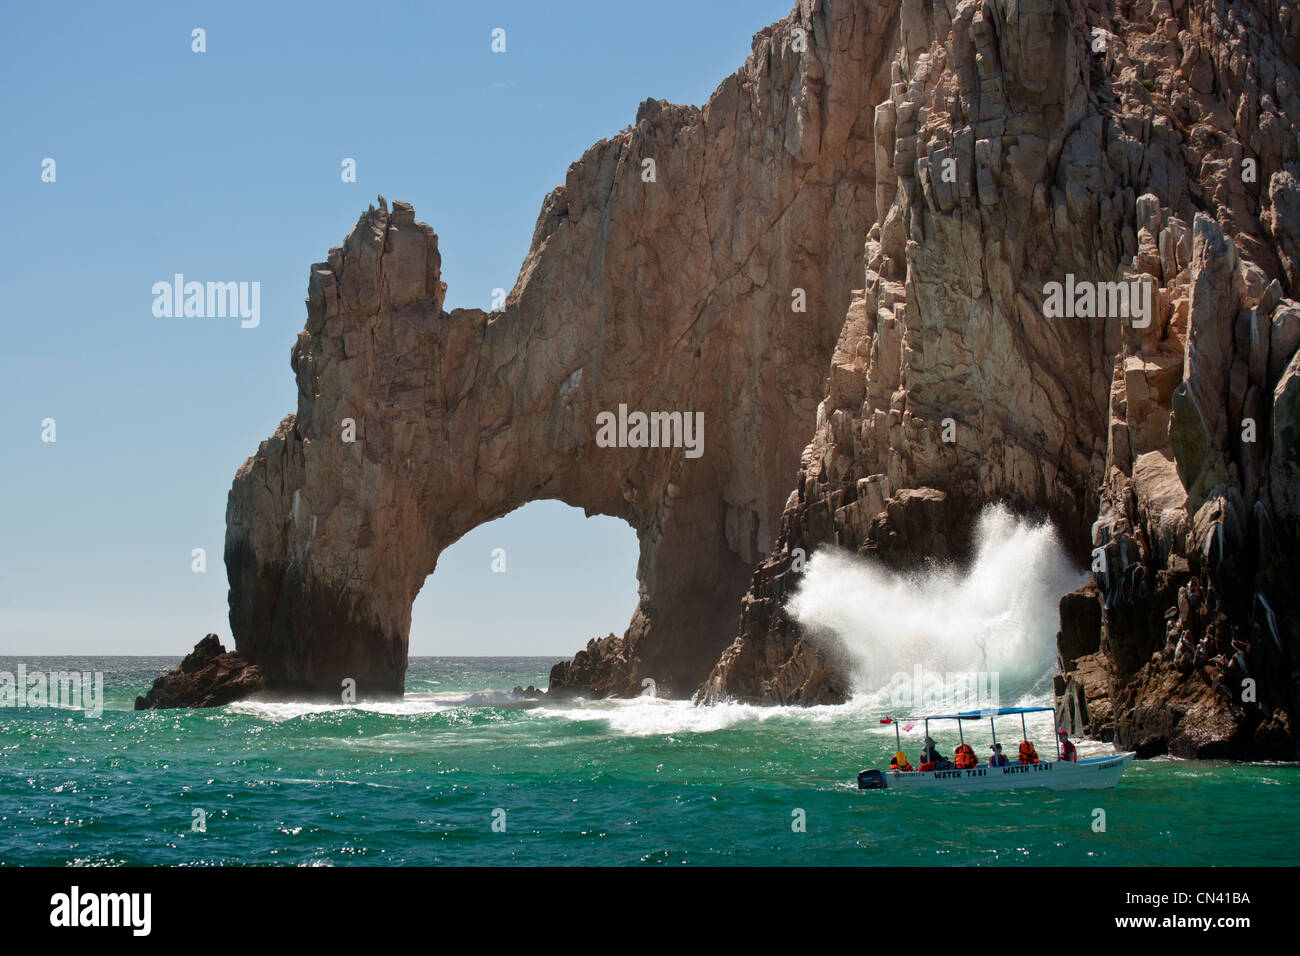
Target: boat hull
pixel 1097 773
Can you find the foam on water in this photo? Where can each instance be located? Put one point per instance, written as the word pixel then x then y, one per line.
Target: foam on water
pixel 411 704
pixel 635 717
pixel 998 615
pixel 649 717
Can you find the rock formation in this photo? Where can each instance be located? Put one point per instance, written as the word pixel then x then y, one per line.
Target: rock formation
pixel 935 179
pixel 685 266
pixel 1097 143
pixel 603 669
pixel 209 676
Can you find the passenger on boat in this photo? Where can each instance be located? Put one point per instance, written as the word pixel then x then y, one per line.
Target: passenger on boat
pixel 966 759
pixel 899 762
pixel 1068 751
pixel 932 756
pixel 1027 752
pixel 998 758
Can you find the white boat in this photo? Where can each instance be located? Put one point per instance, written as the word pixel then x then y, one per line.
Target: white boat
pixel 1096 773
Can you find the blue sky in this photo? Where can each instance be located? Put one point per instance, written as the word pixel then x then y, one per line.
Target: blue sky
pixel 225 165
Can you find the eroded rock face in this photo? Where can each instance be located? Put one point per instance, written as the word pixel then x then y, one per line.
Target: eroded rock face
pixel 1158 147
pixel 669 288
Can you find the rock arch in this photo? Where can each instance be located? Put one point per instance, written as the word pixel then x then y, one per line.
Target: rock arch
pixel 671 295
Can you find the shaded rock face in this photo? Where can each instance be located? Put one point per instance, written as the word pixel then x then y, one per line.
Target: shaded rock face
pixel 670 273
pixel 1158 148
pixel 604 668
pixel 209 676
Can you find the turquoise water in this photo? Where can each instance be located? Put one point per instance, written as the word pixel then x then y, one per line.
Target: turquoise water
pixel 621 782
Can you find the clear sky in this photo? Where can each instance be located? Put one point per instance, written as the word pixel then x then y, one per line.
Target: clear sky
pixel 225 165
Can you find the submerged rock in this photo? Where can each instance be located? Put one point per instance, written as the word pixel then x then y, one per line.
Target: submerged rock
pixel 209 676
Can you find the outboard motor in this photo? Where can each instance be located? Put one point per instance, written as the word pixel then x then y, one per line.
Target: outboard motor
pixel 871 780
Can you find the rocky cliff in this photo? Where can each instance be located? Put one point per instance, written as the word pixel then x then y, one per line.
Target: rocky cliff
pixel 1025 144
pixel 1047 255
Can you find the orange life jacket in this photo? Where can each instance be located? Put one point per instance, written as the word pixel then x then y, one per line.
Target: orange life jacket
pixel 1027 752
pixel 904 767
pixel 965 757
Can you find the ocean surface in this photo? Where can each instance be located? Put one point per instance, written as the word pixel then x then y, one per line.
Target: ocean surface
pixel 458 773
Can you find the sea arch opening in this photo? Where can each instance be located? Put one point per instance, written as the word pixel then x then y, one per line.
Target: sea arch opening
pixel 537 582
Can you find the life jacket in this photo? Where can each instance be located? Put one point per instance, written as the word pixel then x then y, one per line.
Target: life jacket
pixel 904 767
pixel 965 757
pixel 928 765
pixel 1027 752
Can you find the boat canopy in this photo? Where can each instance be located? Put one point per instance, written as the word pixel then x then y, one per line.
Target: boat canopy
pixel 981 714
